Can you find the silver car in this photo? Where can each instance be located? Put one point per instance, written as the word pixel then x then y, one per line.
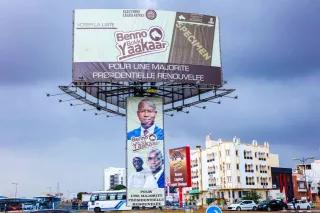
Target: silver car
pixel 300 204
pixel 243 205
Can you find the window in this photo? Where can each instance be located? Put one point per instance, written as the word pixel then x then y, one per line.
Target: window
pixel 247 154
pixel 122 196
pixel 94 197
pixel 263 169
pixel 228 166
pixel 211 170
pixel 239 179
pixel 248 168
pixel 210 157
pixel 227 152
pixel 236 152
pixel 102 197
pixel 237 166
pixel 264 181
pixel 229 179
pixel 249 180
pixel 112 196
pixel 262 156
pixel 239 194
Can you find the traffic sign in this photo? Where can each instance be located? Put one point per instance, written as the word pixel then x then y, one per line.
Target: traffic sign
pixel 213 209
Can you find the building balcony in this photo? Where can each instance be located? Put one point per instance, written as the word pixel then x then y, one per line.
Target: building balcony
pixel 250 183
pixel 302 190
pixel 212 185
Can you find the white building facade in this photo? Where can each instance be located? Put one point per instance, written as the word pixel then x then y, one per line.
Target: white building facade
pixel 229 169
pixel 313 177
pixel 113 177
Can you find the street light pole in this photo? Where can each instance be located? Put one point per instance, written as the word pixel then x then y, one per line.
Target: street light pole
pixel 200 170
pixel 303 161
pixel 16 191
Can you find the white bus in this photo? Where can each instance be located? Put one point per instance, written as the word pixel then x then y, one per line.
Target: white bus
pixel 108 201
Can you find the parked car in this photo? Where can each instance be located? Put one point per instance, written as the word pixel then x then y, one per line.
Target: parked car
pixel 243 205
pixel 300 204
pixel 272 205
pixel 83 205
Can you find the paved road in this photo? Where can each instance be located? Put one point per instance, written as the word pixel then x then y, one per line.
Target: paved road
pixel 203 211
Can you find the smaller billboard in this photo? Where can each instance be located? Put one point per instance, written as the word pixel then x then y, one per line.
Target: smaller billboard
pixel 180 170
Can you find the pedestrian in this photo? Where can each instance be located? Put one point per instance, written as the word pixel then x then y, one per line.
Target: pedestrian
pixel 294 203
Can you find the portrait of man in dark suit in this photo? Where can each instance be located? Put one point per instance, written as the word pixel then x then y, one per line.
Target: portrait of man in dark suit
pixel 156 165
pixel 147 112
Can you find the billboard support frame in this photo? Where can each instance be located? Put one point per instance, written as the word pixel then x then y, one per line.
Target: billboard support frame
pixel 174 95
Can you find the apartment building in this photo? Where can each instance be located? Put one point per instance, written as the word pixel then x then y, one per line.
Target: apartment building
pixel 113 177
pixel 306 181
pixel 230 169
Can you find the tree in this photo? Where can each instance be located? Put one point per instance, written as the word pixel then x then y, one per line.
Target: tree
pixel 209 200
pixel 79 195
pixel 119 187
pixel 252 195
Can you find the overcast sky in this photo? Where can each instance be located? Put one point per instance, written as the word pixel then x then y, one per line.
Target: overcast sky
pixel 270 53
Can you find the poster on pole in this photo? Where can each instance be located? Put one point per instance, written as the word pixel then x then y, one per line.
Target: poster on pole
pixel 145 152
pixel 180 169
pixel 120 45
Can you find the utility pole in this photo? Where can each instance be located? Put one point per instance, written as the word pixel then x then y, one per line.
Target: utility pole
pixel 200 170
pixel 16 191
pixel 49 190
pixel 58 189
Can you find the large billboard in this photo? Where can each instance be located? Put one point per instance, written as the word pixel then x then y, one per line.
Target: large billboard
pixel 180 169
pixel 119 45
pixel 145 152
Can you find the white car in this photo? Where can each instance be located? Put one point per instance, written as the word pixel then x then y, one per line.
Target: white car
pixel 243 205
pixel 300 204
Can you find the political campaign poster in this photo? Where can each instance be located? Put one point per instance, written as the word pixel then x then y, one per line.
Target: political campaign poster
pixel 120 45
pixel 180 170
pixel 145 152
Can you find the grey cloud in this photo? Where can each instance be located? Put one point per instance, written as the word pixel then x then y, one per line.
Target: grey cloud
pixel 32 119
pixel 148 4
pixel 71 162
pixel 271 40
pixel 280 112
pixel 259 39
